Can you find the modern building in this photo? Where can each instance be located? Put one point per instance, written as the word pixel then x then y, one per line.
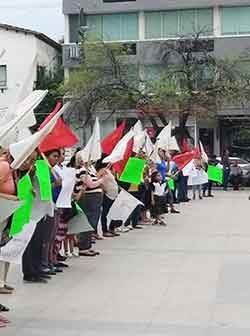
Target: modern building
pixel 143 23
pixel 22 53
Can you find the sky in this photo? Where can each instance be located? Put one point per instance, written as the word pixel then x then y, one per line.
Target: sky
pixel 44 16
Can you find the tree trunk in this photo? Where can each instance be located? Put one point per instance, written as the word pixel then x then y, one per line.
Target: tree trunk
pixel 182 132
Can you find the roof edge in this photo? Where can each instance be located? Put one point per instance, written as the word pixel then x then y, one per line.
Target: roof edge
pixel 38 35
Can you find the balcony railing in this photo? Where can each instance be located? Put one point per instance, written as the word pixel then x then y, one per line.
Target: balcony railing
pixel 71 55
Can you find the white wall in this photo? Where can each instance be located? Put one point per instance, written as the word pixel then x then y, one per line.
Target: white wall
pixel 47 55
pixel 23 52
pixel 20 51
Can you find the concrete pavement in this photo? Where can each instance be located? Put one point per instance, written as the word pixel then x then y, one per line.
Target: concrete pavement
pixel 189 279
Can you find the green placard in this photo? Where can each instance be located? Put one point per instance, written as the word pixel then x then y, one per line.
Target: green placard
pixel 44 179
pixel 215 174
pixel 22 215
pixel 171 184
pixel 78 208
pixel 133 172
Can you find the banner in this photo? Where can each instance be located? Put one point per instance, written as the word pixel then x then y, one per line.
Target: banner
pixel 79 223
pixel 215 174
pixel 200 178
pixel 44 178
pixel 13 251
pixel 22 214
pixel 7 208
pixel 171 184
pixel 68 176
pixel 123 206
pixel 133 171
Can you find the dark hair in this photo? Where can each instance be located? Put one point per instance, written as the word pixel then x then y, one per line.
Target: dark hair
pixel 72 162
pixel 154 175
pixel 53 151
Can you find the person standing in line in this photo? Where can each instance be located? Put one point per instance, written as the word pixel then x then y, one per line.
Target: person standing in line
pixel 226 169
pixel 7 186
pixel 197 187
pixel 158 198
pixel 207 187
pixel 236 174
pixel 90 202
pixel 51 222
pixel 111 190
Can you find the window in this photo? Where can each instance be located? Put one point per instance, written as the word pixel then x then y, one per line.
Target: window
pixel 114 27
pixel 235 20
pixel 3 75
pixel 179 22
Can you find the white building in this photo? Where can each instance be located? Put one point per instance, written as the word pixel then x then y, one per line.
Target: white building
pixel 22 51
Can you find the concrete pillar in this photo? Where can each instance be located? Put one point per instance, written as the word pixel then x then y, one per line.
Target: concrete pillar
pixel 217 21
pixel 66 29
pixel 141 26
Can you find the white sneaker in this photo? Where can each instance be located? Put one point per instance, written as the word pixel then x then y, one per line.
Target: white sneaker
pixel 122 229
pixel 130 227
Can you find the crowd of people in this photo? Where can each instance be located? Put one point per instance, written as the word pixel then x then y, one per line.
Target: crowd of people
pixel 96 189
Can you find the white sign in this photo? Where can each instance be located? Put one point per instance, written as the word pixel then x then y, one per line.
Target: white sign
pixel 123 206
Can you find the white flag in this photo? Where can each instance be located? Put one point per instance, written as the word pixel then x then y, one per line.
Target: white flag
pixel 120 148
pixel 164 136
pixel 173 145
pixel 21 150
pixel 137 128
pixel 200 178
pixel 79 224
pixel 204 156
pixel 155 156
pixel 23 118
pixel 123 206
pixel 7 208
pixel 139 142
pixel 93 151
pixel 165 139
pixel 13 251
pixel 190 169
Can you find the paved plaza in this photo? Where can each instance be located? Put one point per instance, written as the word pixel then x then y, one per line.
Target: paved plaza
pixel 189 279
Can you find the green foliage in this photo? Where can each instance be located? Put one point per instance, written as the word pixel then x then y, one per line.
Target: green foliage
pixel 103 81
pixel 53 81
pixel 195 83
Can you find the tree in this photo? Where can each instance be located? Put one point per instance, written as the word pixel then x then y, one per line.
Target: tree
pixel 53 82
pixel 194 82
pixel 104 81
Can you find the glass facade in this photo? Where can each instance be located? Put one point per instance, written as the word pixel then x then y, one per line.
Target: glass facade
pixel 114 27
pixel 178 22
pixel 235 20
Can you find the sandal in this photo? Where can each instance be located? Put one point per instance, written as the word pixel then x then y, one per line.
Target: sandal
pixel 3 308
pixel 162 223
pixel 4 319
pixel 87 254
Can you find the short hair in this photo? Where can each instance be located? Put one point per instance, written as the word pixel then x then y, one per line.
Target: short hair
pixel 56 150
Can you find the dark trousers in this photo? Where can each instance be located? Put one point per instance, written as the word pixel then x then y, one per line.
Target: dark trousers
pixel 136 214
pixel 91 204
pixel 84 241
pixel 236 181
pixel 106 205
pixel 226 174
pixel 207 187
pixel 47 232
pixel 31 260
pixel 182 188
